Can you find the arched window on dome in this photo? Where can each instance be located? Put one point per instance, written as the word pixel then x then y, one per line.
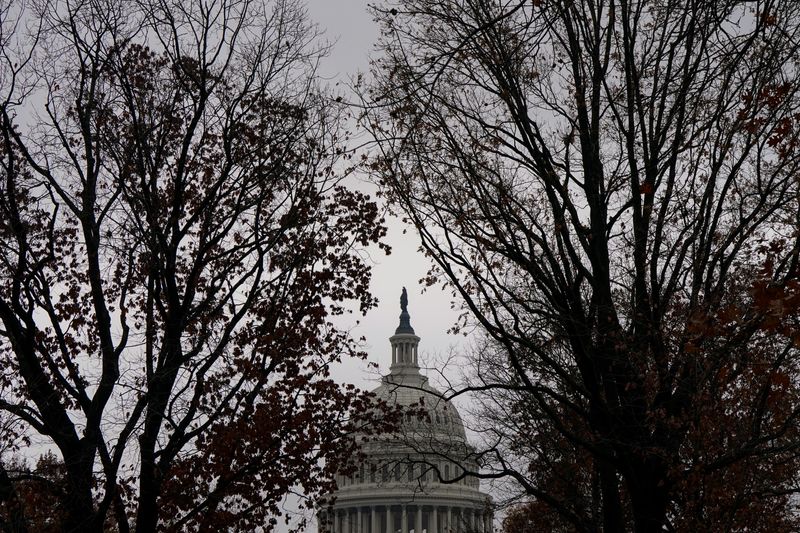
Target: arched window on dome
pixel 385 472
pixel 446 472
pixel 373 468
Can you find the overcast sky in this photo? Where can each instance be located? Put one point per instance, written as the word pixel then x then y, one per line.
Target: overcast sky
pixel 350 27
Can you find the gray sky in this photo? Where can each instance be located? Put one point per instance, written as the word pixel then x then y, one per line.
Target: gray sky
pixel 348 25
pixel 351 29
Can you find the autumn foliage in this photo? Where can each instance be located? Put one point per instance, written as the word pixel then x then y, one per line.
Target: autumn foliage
pixel 175 241
pixel 610 189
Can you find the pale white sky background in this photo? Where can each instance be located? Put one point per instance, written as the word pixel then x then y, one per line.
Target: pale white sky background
pixel 349 26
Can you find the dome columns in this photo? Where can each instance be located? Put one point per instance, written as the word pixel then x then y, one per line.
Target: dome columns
pixel 412 518
pixel 405 350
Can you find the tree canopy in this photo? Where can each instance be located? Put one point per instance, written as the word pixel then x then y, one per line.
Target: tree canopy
pixel 175 240
pixel 611 188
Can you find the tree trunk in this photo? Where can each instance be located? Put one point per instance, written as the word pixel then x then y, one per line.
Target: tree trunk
pixel 16 523
pixel 648 496
pixel 149 478
pixel 147 513
pixel 613 521
pixel 80 513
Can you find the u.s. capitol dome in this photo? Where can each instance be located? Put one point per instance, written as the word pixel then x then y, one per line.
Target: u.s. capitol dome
pixel 413 480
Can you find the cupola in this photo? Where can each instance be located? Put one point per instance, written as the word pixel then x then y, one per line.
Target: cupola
pixel 405 343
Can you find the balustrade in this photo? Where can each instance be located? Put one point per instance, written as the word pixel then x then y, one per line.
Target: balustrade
pixel 425 519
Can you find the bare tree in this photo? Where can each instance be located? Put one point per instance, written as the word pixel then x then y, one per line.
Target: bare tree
pixel 175 238
pixel 611 188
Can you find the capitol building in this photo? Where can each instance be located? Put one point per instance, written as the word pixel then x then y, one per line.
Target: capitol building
pixel 412 480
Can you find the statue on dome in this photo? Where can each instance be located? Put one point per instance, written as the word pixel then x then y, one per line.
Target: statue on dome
pixel 405 318
pixel 404 301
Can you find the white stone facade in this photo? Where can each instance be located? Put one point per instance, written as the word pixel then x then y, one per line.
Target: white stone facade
pixel 411 481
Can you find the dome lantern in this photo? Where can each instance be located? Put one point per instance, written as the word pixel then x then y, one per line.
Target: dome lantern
pixel 405 343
